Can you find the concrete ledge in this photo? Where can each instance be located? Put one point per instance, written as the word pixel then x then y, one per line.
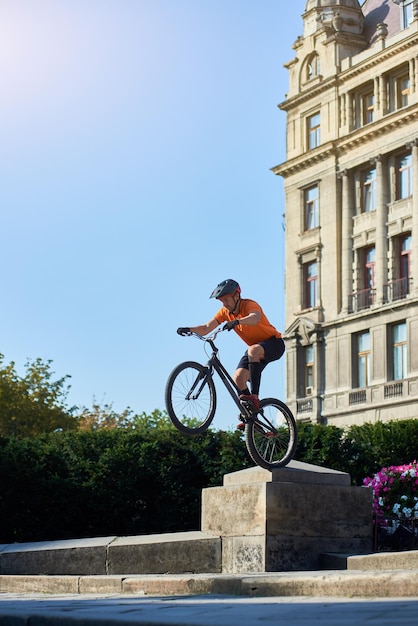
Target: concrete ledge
pixel 194 552
pixel 404 560
pixel 366 584
pixel 150 554
pixel 294 472
pixel 78 557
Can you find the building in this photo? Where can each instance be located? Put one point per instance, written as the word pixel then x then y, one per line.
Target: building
pixel 351 192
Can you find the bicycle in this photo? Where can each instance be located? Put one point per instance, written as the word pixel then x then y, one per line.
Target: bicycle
pixel 190 399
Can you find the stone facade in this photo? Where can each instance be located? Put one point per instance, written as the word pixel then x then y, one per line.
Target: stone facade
pixel 351 186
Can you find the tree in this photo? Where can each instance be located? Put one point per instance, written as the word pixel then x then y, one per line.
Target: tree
pixel 34 403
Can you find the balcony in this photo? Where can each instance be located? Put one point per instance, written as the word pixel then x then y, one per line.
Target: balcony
pixel 393 390
pixel 361 300
pixel 304 405
pixel 397 289
pixel 357 397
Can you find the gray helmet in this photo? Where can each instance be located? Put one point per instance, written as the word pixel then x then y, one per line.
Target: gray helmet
pixel 226 287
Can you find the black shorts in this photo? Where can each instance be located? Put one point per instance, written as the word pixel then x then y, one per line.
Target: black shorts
pixel 273 350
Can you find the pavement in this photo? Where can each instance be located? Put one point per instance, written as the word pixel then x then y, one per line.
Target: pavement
pixel 218 610
pixel 322 598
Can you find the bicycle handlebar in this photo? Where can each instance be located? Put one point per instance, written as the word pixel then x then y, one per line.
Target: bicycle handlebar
pixel 208 338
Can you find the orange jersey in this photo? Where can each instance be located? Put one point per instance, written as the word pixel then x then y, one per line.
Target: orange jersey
pixel 250 334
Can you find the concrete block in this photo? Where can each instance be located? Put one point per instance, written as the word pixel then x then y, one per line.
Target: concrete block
pixel 294 472
pixel 288 520
pixel 403 560
pixel 166 553
pixel 316 510
pixel 38 584
pixel 69 557
pixel 243 554
pixel 234 510
pixel 101 584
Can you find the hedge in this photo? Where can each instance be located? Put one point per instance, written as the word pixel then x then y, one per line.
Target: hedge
pixel 122 482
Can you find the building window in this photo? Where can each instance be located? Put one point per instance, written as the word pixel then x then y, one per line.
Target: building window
pixel 368 190
pixel 363 362
pixel 363 298
pixel 399 348
pixel 402 91
pixel 399 88
pixel 405 256
pixel 368 268
pixel 313 67
pixel 406 13
pixel 309 370
pixel 363 106
pixel 398 288
pixel 310 284
pixel 314 131
pixel 367 108
pixel 404 177
pixel 311 208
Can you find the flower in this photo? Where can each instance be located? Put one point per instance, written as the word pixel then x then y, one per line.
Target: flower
pixel 395 491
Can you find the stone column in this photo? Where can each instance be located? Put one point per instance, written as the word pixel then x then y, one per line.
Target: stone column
pixel 381 256
pixel 346 241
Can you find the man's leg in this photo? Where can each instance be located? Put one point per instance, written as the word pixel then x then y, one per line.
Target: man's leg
pixel 255 356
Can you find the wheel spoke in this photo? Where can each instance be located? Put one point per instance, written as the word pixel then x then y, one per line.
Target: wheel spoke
pixel 190 398
pixel 271 437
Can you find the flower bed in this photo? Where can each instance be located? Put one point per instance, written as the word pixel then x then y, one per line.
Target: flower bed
pixel 395 506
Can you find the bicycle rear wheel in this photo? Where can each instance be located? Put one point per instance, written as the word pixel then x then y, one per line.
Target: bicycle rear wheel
pixel 271 437
pixel 190 398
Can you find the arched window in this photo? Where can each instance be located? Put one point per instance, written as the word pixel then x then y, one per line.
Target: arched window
pixel 312 66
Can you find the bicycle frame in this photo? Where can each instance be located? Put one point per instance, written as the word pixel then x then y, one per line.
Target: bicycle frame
pixel 215 364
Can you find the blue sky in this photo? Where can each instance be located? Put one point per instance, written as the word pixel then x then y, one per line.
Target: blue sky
pixel 137 138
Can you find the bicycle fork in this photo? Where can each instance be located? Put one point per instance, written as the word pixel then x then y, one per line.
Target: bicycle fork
pixel 202 379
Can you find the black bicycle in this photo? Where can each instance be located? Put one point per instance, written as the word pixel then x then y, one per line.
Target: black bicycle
pixel 190 399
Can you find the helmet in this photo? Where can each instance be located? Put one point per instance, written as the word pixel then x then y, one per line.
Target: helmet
pixel 226 287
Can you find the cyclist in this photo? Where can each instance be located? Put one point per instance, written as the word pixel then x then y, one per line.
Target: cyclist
pixel 246 317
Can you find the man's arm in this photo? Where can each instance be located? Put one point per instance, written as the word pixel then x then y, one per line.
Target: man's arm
pixel 252 319
pixel 204 329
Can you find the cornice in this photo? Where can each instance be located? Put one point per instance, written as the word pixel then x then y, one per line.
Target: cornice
pixel 357 138
pixel 364 135
pixel 310 93
pixel 378 58
pixel 288 168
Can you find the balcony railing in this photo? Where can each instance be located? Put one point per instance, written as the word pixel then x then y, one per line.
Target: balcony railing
pixel 357 397
pixel 393 390
pixel 361 300
pixel 304 405
pixel 396 289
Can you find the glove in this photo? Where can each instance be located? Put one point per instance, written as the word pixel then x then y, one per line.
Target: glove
pixel 183 331
pixel 231 325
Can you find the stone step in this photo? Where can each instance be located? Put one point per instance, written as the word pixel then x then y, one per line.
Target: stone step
pixel 331 584
pixel 379 561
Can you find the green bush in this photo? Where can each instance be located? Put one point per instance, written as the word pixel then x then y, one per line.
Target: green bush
pixel 109 482
pixel 149 479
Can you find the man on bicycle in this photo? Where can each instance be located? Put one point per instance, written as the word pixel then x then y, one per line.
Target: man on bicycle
pixel 246 317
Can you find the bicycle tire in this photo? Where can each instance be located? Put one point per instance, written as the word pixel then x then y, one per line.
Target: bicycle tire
pixel 271 437
pixel 194 415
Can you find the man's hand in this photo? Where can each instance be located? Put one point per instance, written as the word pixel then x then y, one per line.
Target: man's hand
pixel 183 331
pixel 231 325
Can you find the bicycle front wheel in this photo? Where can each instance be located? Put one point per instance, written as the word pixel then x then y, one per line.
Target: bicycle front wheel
pixel 190 398
pixel 271 437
